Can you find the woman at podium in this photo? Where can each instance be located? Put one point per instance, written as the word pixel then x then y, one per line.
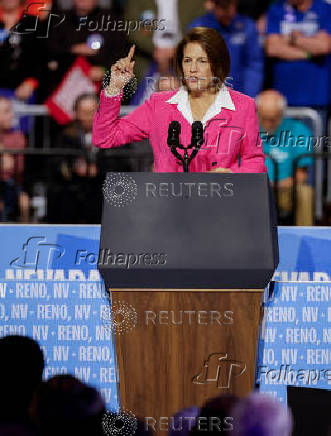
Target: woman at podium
pixel 230 124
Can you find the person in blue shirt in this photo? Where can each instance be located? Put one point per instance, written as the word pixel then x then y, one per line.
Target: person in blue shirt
pixel 284 140
pixel 299 39
pixel 242 39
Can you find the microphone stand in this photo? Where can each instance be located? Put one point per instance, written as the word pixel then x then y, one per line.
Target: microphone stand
pixel 186 159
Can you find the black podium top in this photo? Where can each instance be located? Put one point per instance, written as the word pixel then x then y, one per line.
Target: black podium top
pixel 188 230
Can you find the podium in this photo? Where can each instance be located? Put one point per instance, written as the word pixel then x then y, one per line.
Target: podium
pixel 186 258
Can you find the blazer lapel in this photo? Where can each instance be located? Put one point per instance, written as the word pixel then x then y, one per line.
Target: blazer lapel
pixel 223 118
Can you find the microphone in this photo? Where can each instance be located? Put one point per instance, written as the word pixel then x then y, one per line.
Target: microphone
pixel 196 141
pixel 173 134
pixel 197 133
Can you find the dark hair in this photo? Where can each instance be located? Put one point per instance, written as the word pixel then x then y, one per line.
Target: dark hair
pixel 219 408
pixel 6 99
pixel 215 47
pixel 224 4
pixel 21 369
pixel 261 414
pixel 65 405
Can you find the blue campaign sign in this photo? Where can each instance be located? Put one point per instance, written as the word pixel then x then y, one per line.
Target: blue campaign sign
pixel 296 336
pixel 50 289
pixel 304 254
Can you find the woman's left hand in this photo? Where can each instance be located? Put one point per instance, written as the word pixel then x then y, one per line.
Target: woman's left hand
pixel 220 170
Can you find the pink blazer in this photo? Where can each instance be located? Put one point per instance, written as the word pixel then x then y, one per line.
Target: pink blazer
pixel 231 137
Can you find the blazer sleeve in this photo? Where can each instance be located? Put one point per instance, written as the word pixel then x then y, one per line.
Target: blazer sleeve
pixel 109 130
pixel 252 158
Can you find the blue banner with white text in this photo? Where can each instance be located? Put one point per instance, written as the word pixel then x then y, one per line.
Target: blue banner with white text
pixel 51 290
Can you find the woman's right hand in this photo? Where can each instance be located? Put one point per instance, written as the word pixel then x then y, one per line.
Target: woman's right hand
pixel 121 73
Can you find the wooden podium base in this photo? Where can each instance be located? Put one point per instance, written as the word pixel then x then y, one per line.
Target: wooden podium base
pixel 177 348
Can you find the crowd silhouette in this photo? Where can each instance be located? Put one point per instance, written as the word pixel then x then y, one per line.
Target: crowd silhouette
pixel 64 405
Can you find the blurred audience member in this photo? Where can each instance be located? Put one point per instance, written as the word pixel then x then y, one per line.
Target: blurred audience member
pixel 73 194
pixel 41 17
pixel 253 8
pixel 183 421
pixel 166 38
pixel 209 5
pixel 24 73
pixel 216 416
pixel 78 133
pixel 17 61
pixel 21 369
pixel 14 200
pixel 241 36
pixel 10 12
pixel 16 430
pixel 31 63
pixel 299 38
pixel 66 406
pixel 261 415
pixel 89 32
pixel 161 26
pixel 285 140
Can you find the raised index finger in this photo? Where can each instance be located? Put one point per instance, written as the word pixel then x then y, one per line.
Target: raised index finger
pixel 131 52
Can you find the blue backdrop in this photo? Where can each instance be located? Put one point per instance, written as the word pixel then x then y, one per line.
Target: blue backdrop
pixel 50 289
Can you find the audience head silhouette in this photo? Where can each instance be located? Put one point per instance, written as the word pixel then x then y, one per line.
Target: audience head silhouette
pixel 262 415
pixel 183 421
pixel 65 406
pixel 216 416
pixel 21 369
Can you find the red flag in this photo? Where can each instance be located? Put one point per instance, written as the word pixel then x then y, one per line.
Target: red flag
pixel 75 82
pixel 35 7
